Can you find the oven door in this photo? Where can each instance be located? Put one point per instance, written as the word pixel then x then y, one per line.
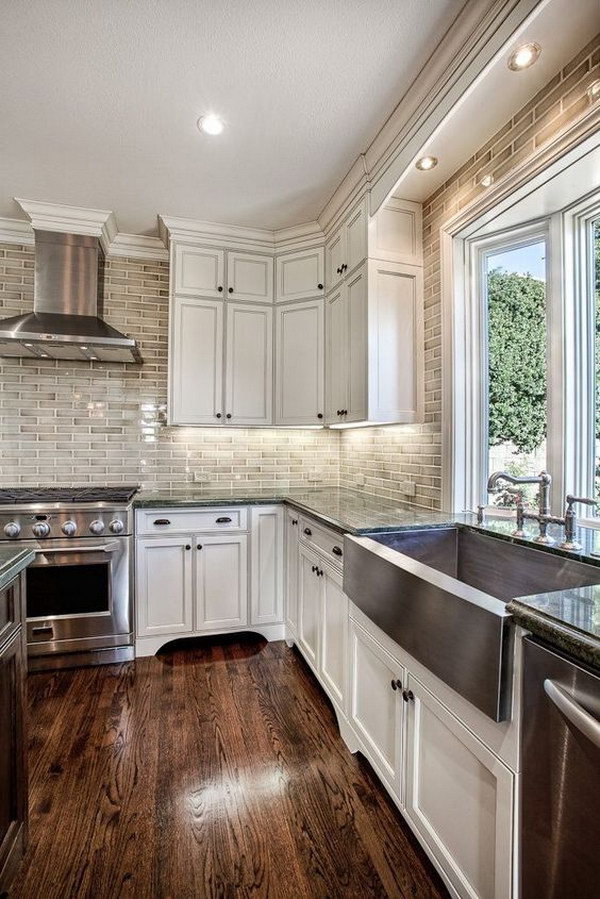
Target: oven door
pixel 79 596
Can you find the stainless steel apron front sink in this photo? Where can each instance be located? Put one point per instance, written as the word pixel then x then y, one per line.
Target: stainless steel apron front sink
pixel 440 593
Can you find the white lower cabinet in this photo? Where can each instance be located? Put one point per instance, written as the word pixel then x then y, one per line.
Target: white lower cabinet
pixel 164 586
pixel 266 599
pixel 459 798
pixel 376 705
pixel 333 663
pixel 309 601
pixel 221 596
pixel 292 564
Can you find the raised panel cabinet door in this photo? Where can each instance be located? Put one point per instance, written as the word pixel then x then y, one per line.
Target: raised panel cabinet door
pixel 292 564
pixel 300 275
pixel 452 777
pixel 196 362
pixel 221 581
pixel 357 352
pixel 198 271
pixel 336 355
pixel 250 277
pixel 13 765
pixel 266 564
pixel 395 232
pixel 376 705
pixel 395 342
pixel 335 255
pixel 334 637
pixel 309 607
pixel 249 365
pixel 300 363
pixel 356 229
pixel 164 585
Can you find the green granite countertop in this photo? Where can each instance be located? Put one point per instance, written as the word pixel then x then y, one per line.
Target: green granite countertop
pixel 12 562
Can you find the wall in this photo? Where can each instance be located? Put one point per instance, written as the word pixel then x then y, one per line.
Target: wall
pixel 383 457
pixel 87 422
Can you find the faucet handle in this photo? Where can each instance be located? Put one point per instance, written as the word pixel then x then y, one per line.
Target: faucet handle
pixel 571 500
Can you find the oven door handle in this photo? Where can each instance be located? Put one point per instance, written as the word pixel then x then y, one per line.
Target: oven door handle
pixel 104 548
pixel 573 712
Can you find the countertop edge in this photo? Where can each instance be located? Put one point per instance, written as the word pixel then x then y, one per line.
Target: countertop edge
pixel 20 560
pixel 564 637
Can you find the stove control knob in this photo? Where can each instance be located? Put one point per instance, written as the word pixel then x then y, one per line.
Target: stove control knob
pixel 12 529
pixel 41 529
pixel 116 526
pixel 69 528
pixel 97 527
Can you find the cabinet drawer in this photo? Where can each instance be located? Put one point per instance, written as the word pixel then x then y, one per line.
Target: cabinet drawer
pixel 164 521
pixel 10 609
pixel 326 542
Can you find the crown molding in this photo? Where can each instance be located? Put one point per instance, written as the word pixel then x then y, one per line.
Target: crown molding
pixel 16 231
pixel 100 223
pixel 174 228
pixel 138 246
pixel 296 237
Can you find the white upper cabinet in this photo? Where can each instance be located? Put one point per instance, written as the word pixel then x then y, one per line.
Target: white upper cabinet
pixel 347 353
pixel 198 271
pixel 395 233
pixel 249 365
pixel 249 277
pixel 195 362
pixel 336 354
pixel 300 374
pixel 300 275
pixel 347 247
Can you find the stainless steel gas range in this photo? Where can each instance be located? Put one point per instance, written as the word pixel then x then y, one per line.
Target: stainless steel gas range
pixel 80 587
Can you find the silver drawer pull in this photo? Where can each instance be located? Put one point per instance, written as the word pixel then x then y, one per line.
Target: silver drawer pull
pixel 223 520
pixel 579 718
pixel 104 548
pixel 162 521
pixel 43 629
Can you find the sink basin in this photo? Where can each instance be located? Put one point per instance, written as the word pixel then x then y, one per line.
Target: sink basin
pixel 440 593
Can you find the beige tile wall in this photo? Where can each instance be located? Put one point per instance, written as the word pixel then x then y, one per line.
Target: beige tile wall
pixel 81 422
pixel 383 457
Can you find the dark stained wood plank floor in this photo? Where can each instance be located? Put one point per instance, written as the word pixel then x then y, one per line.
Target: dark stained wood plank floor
pixel 214 770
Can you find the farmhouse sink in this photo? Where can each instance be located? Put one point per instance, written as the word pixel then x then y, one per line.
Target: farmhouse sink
pixel 440 593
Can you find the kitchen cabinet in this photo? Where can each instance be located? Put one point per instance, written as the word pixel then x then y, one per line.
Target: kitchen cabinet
pixel 249 277
pixel 333 663
pixel 221 587
pixel 164 585
pixel 198 271
pixel 292 559
pixel 300 363
pixel 459 798
pixel 376 705
pixel 13 746
pixel 300 275
pixel 196 361
pixel 249 365
pixel 266 600
pixel 309 603
pixel 395 233
pixel 347 353
pixel 347 247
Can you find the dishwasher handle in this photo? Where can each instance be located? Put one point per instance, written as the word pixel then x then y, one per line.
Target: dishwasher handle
pixel 573 712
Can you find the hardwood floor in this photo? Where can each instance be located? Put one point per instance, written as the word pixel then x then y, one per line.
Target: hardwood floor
pixel 210 771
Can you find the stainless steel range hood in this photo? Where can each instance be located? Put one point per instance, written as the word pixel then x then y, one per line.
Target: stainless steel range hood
pixel 66 322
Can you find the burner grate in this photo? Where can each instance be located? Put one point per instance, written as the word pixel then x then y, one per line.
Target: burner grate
pixel 23 495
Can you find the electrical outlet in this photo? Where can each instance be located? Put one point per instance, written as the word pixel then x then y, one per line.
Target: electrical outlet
pixel 408 488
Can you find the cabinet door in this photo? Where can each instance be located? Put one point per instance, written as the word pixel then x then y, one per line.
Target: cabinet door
pixel 221 581
pixel 250 277
pixel 309 611
pixel 459 797
pixel 198 271
pixel 356 241
pixel 292 565
pixel 300 367
pixel 300 275
pixel 164 586
pixel 335 256
pixel 336 355
pixel 266 564
pixel 334 636
pixel 356 346
pixel 196 362
pixel 395 342
pixel 396 232
pixel 249 365
pixel 13 749
pixel 376 706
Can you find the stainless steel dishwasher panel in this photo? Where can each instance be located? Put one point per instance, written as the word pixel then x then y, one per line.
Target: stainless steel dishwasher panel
pixel 560 804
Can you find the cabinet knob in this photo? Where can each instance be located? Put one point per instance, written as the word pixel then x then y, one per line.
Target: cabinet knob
pixel 187 546
pixel 219 415
pixel 314 568
pixel 220 289
pixel 339 271
pixel 228 415
pixel 199 546
pixel 408 695
pixel 396 684
pixel 230 289
pixel 308 532
pixel 337 551
pixel 319 415
pixel 320 286
pixel 344 266
pixel 294 521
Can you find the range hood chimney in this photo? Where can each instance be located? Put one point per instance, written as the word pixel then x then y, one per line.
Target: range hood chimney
pixel 66 322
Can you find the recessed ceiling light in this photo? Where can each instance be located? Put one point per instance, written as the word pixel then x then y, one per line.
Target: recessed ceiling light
pixel 425 163
pixel 210 124
pixel 486 180
pixel 593 91
pixel 524 56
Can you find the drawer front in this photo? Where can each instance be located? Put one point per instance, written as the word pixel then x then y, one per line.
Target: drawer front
pixel 166 521
pixel 329 544
pixel 10 609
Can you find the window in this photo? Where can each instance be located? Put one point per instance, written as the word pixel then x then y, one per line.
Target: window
pixel 595 255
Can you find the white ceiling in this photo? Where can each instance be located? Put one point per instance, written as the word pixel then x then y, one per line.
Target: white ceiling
pixel 500 93
pixel 99 101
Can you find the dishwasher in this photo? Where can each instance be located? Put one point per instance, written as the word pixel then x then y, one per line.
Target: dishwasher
pixel 560 800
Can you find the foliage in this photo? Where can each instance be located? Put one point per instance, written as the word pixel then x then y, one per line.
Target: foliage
pixel 517 360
